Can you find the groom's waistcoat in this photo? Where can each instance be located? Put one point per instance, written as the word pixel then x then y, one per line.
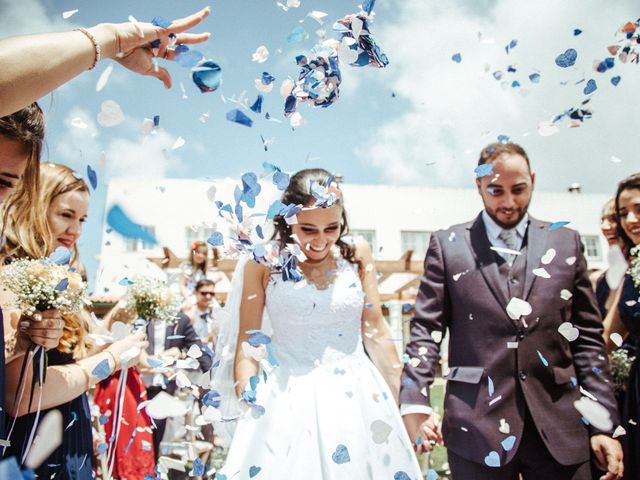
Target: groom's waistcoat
pixel 500 366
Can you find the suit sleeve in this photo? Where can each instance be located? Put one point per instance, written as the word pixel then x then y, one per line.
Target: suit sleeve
pixel 589 351
pixel 191 338
pixel 430 313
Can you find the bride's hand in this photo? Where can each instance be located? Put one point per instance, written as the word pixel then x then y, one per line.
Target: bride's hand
pixel 424 426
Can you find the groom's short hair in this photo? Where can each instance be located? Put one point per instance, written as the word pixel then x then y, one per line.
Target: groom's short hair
pixel 494 150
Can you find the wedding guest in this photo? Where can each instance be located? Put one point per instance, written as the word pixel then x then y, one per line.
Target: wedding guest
pixel 624 318
pixel 21 137
pixel 33 231
pixel 35 65
pixel 133 454
pixel 194 270
pixel 201 313
pixel 511 370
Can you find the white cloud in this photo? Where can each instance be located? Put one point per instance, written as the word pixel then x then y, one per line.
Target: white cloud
pixel 457 108
pixel 29 16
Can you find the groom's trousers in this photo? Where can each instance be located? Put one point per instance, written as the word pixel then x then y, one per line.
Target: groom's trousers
pixel 532 460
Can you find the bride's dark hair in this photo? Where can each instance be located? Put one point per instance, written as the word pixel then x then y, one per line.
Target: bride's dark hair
pixel 298 193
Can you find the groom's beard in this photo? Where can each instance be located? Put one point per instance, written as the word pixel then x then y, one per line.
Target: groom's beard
pixel 518 214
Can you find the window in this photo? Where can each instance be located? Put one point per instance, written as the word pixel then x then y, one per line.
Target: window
pixel 369 236
pixel 416 241
pixel 202 233
pixel 592 247
pixel 136 244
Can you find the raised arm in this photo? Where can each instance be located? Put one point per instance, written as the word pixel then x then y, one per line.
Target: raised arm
pixel 375 331
pixel 35 65
pixel 251 310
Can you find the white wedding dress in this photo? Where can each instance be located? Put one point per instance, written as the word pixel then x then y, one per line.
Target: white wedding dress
pixel 329 414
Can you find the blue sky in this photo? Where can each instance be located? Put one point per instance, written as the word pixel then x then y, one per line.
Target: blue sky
pixel 422 120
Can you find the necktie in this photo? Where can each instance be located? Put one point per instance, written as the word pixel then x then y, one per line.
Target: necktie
pixel 510 239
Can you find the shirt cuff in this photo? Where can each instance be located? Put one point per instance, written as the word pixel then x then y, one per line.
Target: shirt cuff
pixel 409 408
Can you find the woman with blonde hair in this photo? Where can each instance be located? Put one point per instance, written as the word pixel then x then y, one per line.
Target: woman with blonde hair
pixel 35 230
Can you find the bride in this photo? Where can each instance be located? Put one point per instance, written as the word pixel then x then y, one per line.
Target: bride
pixel 324 405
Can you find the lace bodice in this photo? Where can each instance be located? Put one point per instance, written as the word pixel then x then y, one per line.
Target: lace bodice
pixel 312 326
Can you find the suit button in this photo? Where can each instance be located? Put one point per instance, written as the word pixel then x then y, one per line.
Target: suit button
pixel 521 335
pixel 514 281
pixel 523 376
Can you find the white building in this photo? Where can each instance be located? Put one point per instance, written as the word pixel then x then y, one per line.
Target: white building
pixel 393 219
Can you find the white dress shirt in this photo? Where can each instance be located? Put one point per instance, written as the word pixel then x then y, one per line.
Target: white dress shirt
pixel 493 233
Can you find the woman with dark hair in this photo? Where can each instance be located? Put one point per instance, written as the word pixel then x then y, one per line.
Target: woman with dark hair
pixel 625 318
pixel 327 409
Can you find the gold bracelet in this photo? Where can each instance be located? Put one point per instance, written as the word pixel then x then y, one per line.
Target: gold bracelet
pixel 96 46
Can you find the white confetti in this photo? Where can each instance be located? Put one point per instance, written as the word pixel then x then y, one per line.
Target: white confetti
pixel 548 257
pixel 546 129
pixel 504 427
pixel 69 13
pixel 617 267
pixel 616 338
pixel 518 308
pixel 541 272
pixel 48 438
pixel 293 3
pixel 261 54
pixel 512 344
pixel 178 143
pixel 79 123
pixel 296 120
pixel 570 260
pixel 437 336
pixel 595 413
pixel 565 294
pixel 104 78
pixel 615 159
pixel 110 114
pixel 182 380
pixel 568 331
pixel 194 351
pixel 619 431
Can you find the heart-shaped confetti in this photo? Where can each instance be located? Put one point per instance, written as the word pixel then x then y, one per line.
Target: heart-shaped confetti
pixel 568 331
pixel 508 443
pixel 504 427
pixel 492 460
pixel 60 256
pixel 590 87
pixel 110 114
pixel 518 308
pixel 548 257
pixel 595 413
pixel 254 470
pixel 567 59
pixel 380 431
pixel 341 455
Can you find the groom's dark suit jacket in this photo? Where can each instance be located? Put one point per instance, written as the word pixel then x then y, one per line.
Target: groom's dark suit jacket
pixel 464 289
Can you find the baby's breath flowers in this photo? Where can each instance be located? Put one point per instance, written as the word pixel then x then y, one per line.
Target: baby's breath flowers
pixel 620 363
pixel 151 299
pixel 41 285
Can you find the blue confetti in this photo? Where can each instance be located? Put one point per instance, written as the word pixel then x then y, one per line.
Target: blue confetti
pixel 254 470
pixel 567 59
pixel 267 78
pixel 207 76
pixel 367 6
pixel 198 468
pixel 216 239
pixel 102 370
pixel 511 46
pixel 576 32
pixel 542 359
pixel 484 170
pixel 490 386
pixel 515 84
pixel 258 338
pixel 103 419
pixel 93 177
pixel 257 105
pixel 211 399
pixel 189 59
pixel 432 475
pixel 238 116
pixel 156 121
pixel 492 460
pixel 456 57
pixel 607 64
pixel 281 180
pixel 596 370
pixel 503 139
pixel 341 455
pixel 62 285
pixel 154 362
pixel 497 75
pixel 401 476
pixel 534 77
pixel 508 443
pixel 590 87
pixel 557 225
pixel 296 35
pixel 125 282
pixel 615 80
pixel 102 448
pixel 175 337
pixel 121 223
pixel 60 256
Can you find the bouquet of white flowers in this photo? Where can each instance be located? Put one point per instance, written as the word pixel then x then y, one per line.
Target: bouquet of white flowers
pixel 620 363
pixel 41 285
pixel 152 300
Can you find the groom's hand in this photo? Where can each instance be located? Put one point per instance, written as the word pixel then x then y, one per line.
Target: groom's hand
pixel 423 431
pixel 608 453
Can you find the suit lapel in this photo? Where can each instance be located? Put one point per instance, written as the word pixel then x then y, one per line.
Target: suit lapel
pixel 171 330
pixel 486 260
pixel 537 234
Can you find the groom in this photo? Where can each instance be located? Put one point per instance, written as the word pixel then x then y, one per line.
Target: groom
pixel 503 284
